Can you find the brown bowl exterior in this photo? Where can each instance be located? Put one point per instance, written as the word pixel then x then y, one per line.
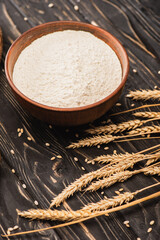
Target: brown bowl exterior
pixel 65 116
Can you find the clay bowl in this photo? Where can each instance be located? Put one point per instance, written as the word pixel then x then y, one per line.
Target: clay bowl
pixel 66 116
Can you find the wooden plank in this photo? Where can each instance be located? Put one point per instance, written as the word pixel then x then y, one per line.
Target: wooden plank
pixel 137 28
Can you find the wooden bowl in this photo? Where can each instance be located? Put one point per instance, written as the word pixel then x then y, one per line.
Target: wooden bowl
pixel 66 116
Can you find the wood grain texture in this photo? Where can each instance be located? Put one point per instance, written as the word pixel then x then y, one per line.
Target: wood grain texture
pixel 136 25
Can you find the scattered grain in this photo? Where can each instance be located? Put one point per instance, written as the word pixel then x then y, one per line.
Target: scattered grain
pixel 138 238
pixel 22 130
pixel 12 151
pixel 25 19
pixel 86 160
pixel 149 230
pixel 134 70
pixel 13 171
pixel 41 11
pixel 106 148
pixel 18 129
pixel 36 202
pixel 115 152
pixel 155 87
pixel 15 227
pixel 151 222
pixel 126 222
pixel 159 72
pixel 59 156
pixel 102 193
pixel 76 159
pixel 76 8
pixel 47 144
pixel 19 134
pixel 121 189
pixel 77 135
pixel 29 138
pixel 132 105
pixel 24 185
pixel 98 146
pixel 118 104
pixel 52 158
pixel 50 126
pixel 94 23
pixel 50 5
pixel 83 168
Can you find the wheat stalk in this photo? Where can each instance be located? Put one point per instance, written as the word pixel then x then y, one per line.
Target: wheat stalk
pixel 86 211
pixel 147 114
pixel 144 94
pixel 63 215
pixel 145 130
pixel 95 214
pixel 121 177
pixel 115 128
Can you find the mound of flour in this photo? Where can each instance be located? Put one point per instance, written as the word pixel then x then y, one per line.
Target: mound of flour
pixel 67 69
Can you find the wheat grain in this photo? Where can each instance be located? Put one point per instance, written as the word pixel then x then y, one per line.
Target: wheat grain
pixel 147 114
pixel 145 130
pixel 144 94
pixel 115 128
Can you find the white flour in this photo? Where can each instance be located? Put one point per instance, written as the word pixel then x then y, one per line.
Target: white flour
pixel 67 69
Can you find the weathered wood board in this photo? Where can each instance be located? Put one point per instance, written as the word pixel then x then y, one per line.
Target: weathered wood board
pixel 37 178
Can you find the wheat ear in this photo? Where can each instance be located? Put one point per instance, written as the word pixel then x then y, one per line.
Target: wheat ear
pixel 121 177
pixel 147 114
pixel 104 159
pixel 146 130
pixel 115 128
pixel 144 94
pixel 95 214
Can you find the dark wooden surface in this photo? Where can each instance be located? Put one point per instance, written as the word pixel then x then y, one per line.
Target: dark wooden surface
pixel 136 25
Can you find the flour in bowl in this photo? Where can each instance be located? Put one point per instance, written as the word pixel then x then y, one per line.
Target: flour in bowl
pixel 67 69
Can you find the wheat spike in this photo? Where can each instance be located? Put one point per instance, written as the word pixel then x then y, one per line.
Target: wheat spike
pixel 115 128
pixel 107 182
pixel 121 177
pixel 146 130
pixel 147 114
pixel 93 141
pixel 144 94
pixel 104 159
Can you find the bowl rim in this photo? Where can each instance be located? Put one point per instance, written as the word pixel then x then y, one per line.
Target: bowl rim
pixel 73 109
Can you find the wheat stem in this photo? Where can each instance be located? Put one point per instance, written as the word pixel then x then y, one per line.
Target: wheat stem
pixel 96 214
pixel 133 109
